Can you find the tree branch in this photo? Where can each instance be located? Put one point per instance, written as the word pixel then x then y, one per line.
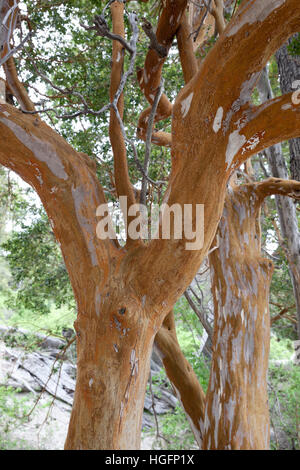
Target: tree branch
pixel 181 375
pixel 186 50
pixel 8 15
pixel 149 78
pixel 102 30
pixel 266 125
pixel 161 50
pixel 16 87
pixel 279 186
pixel 217 11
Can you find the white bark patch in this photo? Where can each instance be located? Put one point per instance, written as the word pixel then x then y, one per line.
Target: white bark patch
pixel 245 95
pixel 218 120
pixel 236 350
pixel 118 324
pixel 118 57
pixel 240 434
pixel 121 409
pixel 43 151
pixel 235 143
pixel 91 381
pixel 248 347
pixel 216 412
pixel 39 176
pixel 246 238
pixel 134 363
pixel 230 412
pixel 242 316
pixel 185 104
pixel 257 12
pixel 145 77
pixel 286 106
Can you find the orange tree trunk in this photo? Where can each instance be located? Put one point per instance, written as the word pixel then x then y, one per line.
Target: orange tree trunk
pixel 214 129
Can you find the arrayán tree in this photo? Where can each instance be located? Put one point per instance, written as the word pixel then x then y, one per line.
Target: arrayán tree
pixel 125 294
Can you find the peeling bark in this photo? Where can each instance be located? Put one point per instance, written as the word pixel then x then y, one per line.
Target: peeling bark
pixel 236 414
pixel 285 206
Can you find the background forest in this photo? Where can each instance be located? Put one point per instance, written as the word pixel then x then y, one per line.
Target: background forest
pixel 35 292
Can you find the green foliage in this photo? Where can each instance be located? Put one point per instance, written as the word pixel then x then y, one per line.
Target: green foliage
pixel 38 271
pixel 284 400
pixel 294 47
pixel 15 339
pixel 281 348
pixel 274 77
pixel 13 411
pixel 281 291
pixel 173 428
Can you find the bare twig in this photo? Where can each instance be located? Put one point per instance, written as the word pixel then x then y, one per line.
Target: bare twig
pixel 197 31
pixel 133 20
pixel 101 28
pixel 161 50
